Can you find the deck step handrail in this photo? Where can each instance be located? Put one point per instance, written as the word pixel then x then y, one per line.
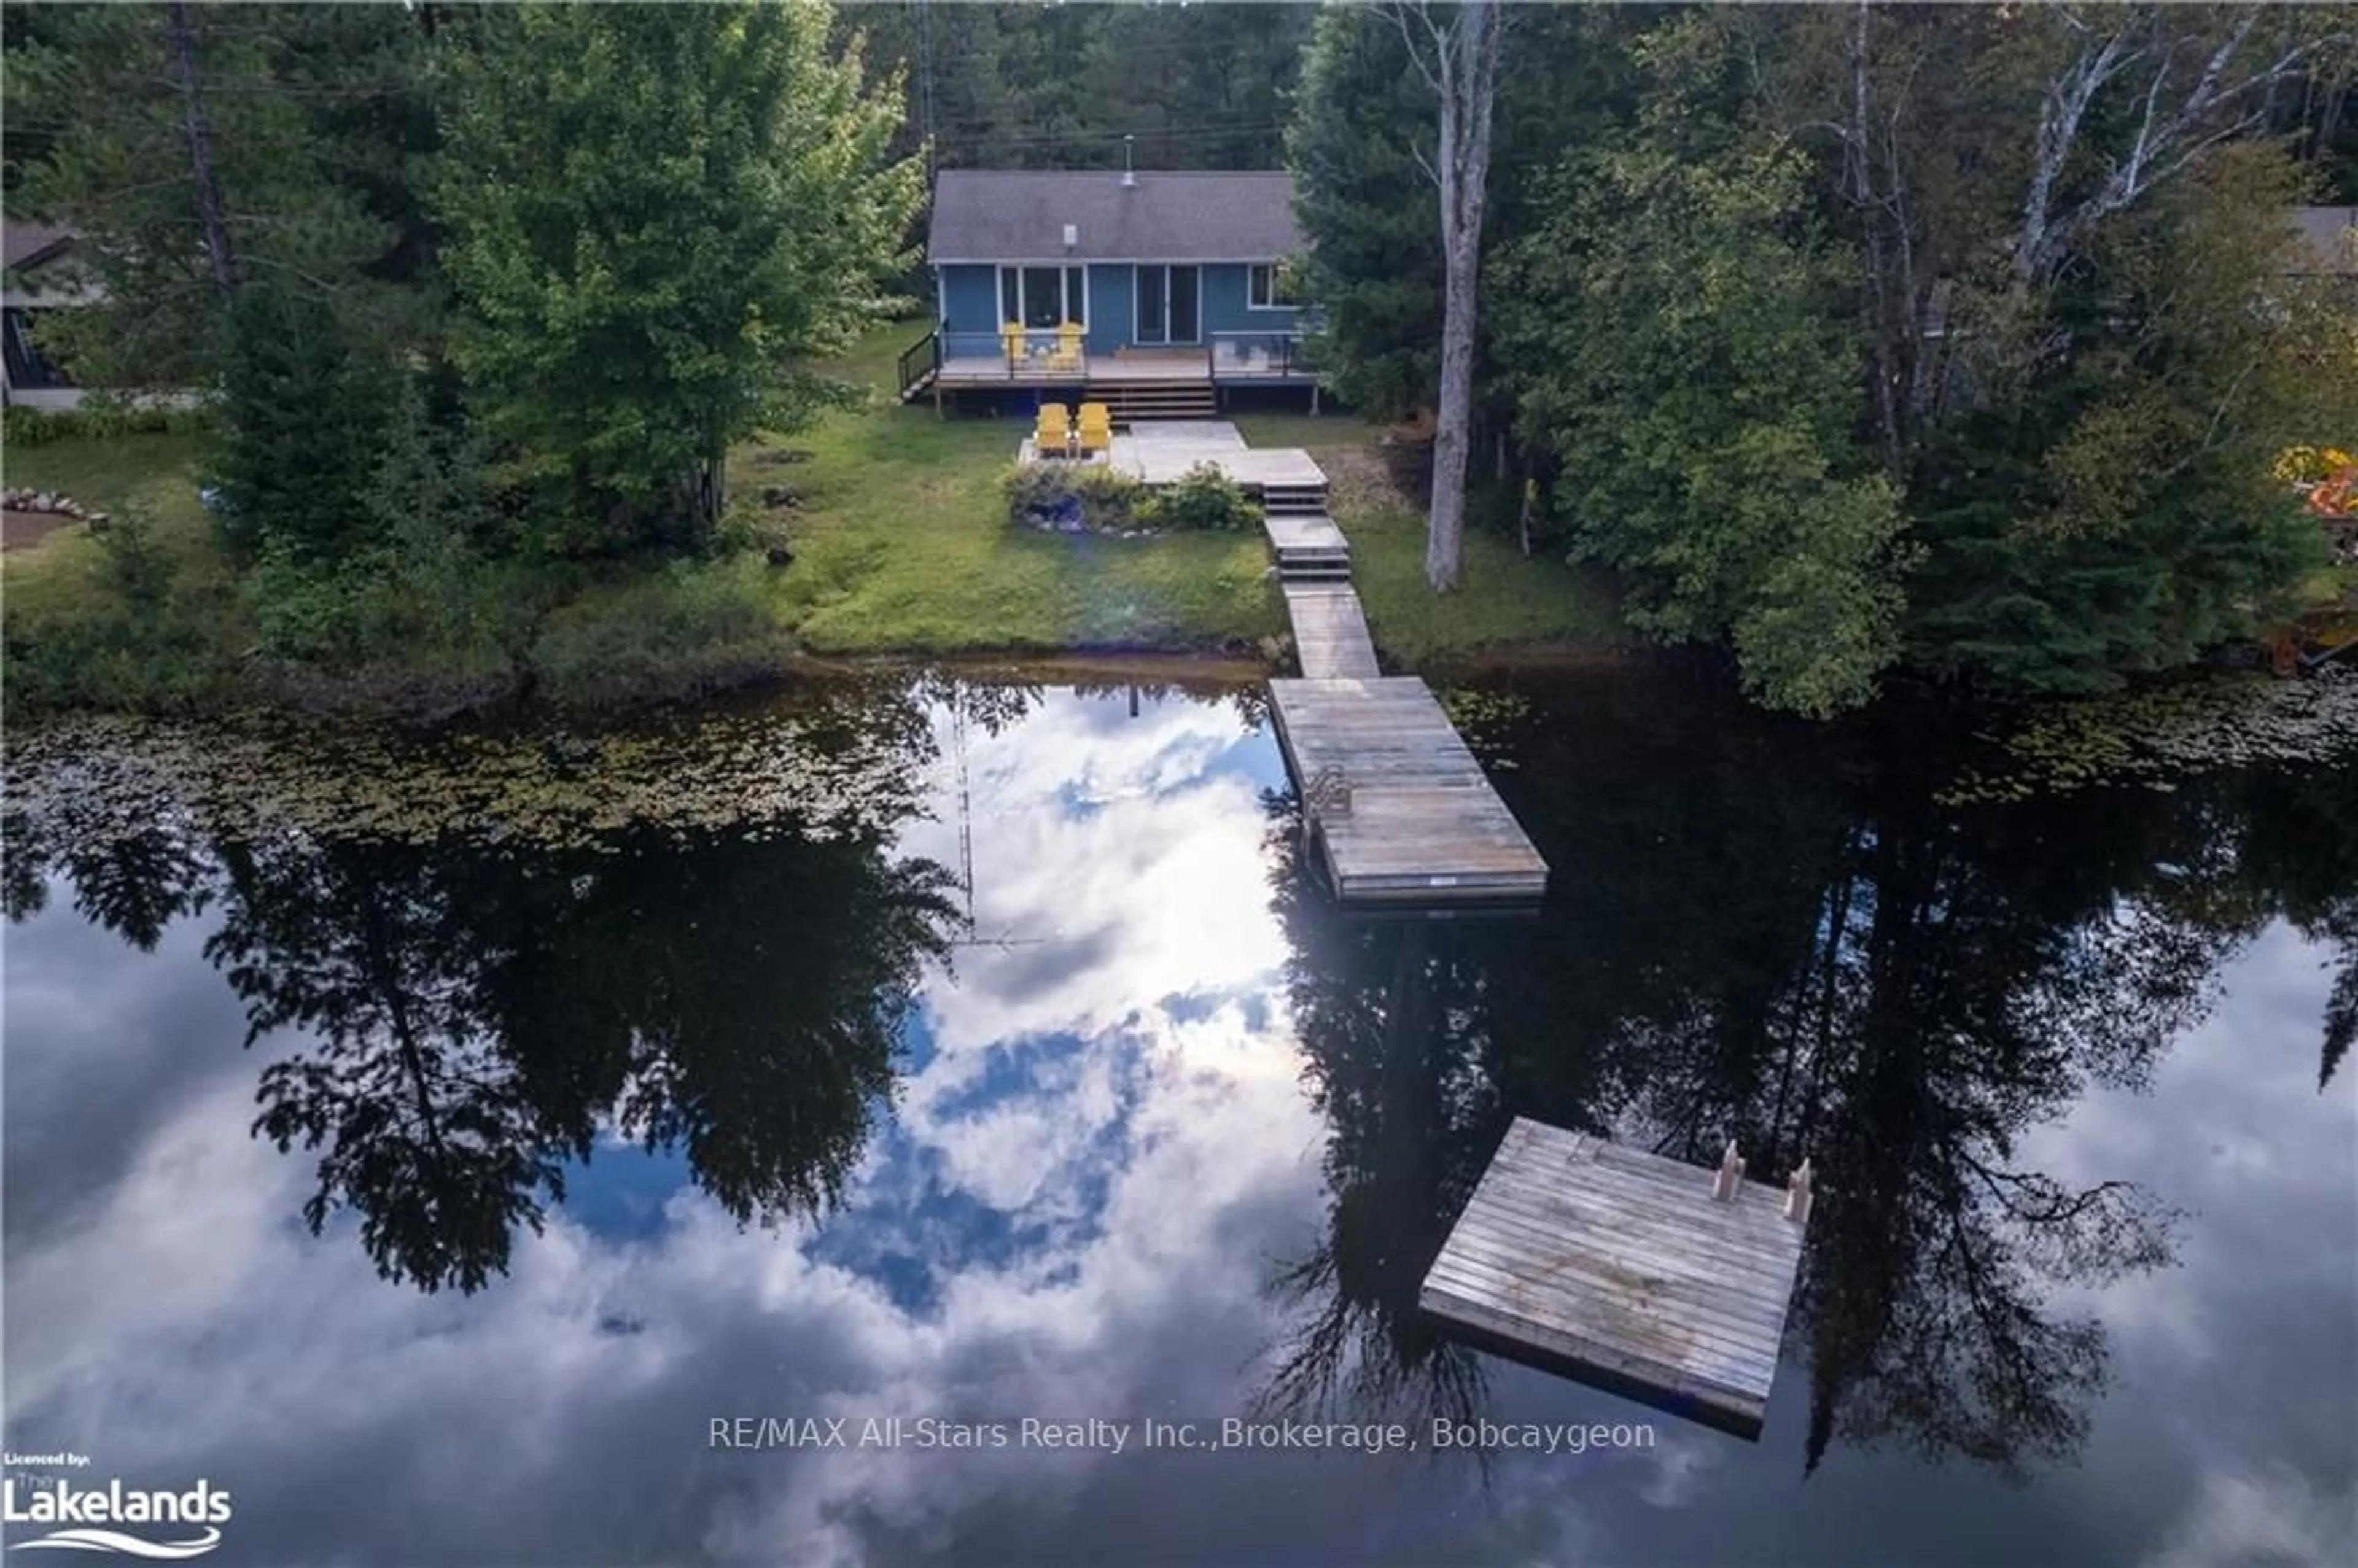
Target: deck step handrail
pixel 919 360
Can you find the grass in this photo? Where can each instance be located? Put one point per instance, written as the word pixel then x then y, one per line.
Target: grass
pixel 154 473
pixel 1504 599
pixel 900 546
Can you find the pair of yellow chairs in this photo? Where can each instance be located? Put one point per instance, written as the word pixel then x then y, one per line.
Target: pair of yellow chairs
pixel 1063 355
pixel 1094 433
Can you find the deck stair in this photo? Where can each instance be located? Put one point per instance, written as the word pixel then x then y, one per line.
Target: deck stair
pixel 1304 538
pixel 1131 402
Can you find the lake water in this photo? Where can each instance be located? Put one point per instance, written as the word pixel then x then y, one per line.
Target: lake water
pixel 429 1146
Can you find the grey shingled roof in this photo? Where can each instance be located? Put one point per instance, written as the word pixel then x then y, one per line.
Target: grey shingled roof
pixel 29 245
pixel 990 215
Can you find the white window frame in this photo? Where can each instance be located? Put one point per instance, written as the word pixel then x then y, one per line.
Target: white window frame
pixel 1063 271
pixel 1258 272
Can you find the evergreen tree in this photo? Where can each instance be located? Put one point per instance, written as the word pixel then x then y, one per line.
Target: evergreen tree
pixel 2113 511
pixel 1372 258
pixel 200 151
pixel 1680 372
pixel 305 412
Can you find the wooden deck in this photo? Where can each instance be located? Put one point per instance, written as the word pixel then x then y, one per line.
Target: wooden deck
pixel 1422 823
pixel 1046 371
pixel 1616 1267
pixel 1330 636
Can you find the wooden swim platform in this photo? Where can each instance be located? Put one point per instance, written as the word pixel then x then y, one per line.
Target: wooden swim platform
pixel 1620 1269
pixel 1408 817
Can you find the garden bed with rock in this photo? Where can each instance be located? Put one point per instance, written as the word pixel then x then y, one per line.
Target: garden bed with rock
pixel 27 516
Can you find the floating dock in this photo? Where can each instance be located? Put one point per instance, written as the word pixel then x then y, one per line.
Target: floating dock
pixel 1402 812
pixel 1619 1268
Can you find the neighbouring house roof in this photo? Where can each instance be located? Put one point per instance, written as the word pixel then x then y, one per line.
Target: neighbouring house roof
pixel 996 215
pixel 2332 233
pixel 26 245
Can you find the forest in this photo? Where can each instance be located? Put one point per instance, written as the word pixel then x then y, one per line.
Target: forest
pixel 1955 340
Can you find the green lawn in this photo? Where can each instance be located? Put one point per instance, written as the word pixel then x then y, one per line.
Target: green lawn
pixel 154 474
pixel 1502 599
pixel 900 546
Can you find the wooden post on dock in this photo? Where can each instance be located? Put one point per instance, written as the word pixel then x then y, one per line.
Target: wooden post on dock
pixel 1728 1180
pixel 1797 1195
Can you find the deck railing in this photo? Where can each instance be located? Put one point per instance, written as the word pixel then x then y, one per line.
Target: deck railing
pixel 1030 354
pixel 1255 355
pixel 918 360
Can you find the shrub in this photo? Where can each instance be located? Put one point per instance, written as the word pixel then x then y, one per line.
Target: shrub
pixel 1203 498
pixel 420 593
pixel 687 629
pixel 23 427
pixel 151 646
pixel 1104 497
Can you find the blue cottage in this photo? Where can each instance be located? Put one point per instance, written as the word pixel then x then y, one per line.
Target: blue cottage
pixel 1090 281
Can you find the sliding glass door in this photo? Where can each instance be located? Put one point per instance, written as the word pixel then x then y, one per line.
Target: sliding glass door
pixel 1170 304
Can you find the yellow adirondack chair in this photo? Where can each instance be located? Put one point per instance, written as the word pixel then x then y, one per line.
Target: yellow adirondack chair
pixel 1054 435
pixel 1096 429
pixel 1012 338
pixel 1066 358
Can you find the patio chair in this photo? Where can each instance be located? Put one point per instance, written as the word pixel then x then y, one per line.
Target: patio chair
pixel 1096 429
pixel 1054 436
pixel 1066 358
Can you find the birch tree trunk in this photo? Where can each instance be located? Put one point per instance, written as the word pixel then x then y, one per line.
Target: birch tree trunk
pixel 1460 62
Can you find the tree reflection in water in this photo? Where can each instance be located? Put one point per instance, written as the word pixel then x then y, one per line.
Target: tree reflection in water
pixel 475 1015
pixel 1770 933
pixel 477 1020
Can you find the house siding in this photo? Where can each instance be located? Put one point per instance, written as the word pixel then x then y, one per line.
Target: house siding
pixel 1110 306
pixel 1225 293
pixel 970 298
pixel 969 302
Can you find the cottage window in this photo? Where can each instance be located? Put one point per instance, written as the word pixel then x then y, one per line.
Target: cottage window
pixel 1265 288
pixel 1043 298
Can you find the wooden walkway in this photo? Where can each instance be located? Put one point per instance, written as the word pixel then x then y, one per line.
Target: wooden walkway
pixel 1618 1268
pixel 1407 815
pixel 1395 808
pixel 1330 636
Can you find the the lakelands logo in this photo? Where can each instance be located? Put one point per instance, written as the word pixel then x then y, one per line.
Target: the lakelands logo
pixel 171 1525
